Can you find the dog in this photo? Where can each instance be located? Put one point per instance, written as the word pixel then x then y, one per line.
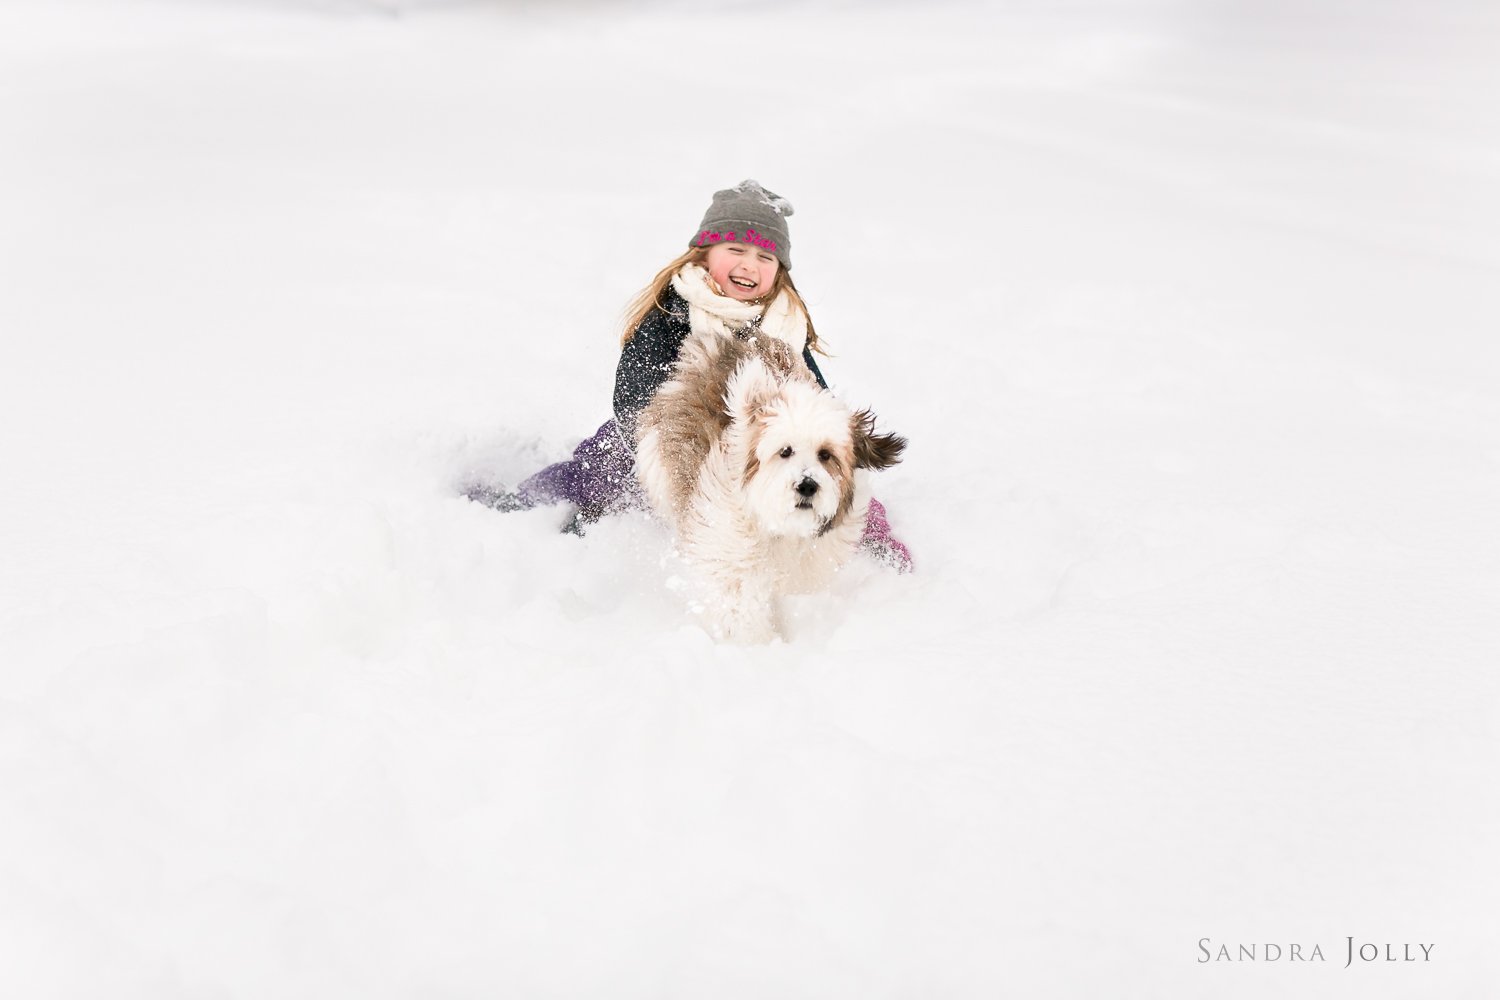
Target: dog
pixel 760 473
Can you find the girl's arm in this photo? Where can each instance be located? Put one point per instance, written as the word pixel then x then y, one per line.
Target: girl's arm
pixel 645 362
pixel 812 366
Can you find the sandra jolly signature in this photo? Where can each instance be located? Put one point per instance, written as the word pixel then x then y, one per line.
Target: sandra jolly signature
pixel 1295 952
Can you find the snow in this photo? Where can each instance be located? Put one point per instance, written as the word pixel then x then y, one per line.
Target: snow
pixel 1188 311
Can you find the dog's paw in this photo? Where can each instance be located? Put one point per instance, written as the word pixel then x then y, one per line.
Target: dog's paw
pixel 743 626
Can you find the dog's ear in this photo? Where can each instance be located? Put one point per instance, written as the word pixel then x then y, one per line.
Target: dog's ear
pixel 871 450
pixel 749 391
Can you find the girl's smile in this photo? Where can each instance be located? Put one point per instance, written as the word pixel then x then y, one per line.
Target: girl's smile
pixel 741 271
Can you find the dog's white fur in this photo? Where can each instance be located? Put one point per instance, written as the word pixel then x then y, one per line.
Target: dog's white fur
pixel 760 473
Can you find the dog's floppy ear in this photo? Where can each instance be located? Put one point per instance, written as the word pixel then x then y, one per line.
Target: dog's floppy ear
pixel 871 450
pixel 750 388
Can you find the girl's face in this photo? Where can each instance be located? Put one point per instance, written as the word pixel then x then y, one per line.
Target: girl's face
pixel 743 271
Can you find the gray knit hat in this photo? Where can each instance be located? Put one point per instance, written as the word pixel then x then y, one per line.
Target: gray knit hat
pixel 747 213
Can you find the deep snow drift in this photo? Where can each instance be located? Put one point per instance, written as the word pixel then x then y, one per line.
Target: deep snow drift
pixel 1188 311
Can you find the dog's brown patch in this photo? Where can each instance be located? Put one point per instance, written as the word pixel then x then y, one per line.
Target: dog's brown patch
pixel 778 356
pixel 688 414
pixel 840 466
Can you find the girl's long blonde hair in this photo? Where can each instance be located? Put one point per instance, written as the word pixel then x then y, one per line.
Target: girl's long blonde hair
pixel 653 296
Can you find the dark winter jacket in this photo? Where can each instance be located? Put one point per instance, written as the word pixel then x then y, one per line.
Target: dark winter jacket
pixel 646 361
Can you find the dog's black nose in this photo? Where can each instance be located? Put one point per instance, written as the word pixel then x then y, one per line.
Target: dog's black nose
pixel 807 487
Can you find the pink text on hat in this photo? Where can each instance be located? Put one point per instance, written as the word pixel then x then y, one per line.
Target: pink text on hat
pixel 750 236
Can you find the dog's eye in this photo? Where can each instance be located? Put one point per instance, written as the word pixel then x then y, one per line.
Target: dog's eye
pixel 824 455
pixel 786 452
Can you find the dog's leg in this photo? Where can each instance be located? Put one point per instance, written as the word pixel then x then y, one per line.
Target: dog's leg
pixel 744 613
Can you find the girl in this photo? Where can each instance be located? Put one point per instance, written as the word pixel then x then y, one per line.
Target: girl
pixel 735 277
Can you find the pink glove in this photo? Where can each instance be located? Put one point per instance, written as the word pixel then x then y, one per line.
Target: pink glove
pixel 880 543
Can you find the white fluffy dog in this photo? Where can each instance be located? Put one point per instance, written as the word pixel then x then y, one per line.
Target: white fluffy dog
pixel 758 470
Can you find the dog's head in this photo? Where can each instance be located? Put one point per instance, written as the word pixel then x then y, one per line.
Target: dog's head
pixel 804 448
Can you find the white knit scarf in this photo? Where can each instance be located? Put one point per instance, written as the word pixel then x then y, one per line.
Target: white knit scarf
pixel 710 312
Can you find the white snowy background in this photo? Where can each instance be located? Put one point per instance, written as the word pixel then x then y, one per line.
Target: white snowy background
pixel 1189 310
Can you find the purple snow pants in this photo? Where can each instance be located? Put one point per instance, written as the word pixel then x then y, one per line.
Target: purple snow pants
pixel 600 476
pixel 600 479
